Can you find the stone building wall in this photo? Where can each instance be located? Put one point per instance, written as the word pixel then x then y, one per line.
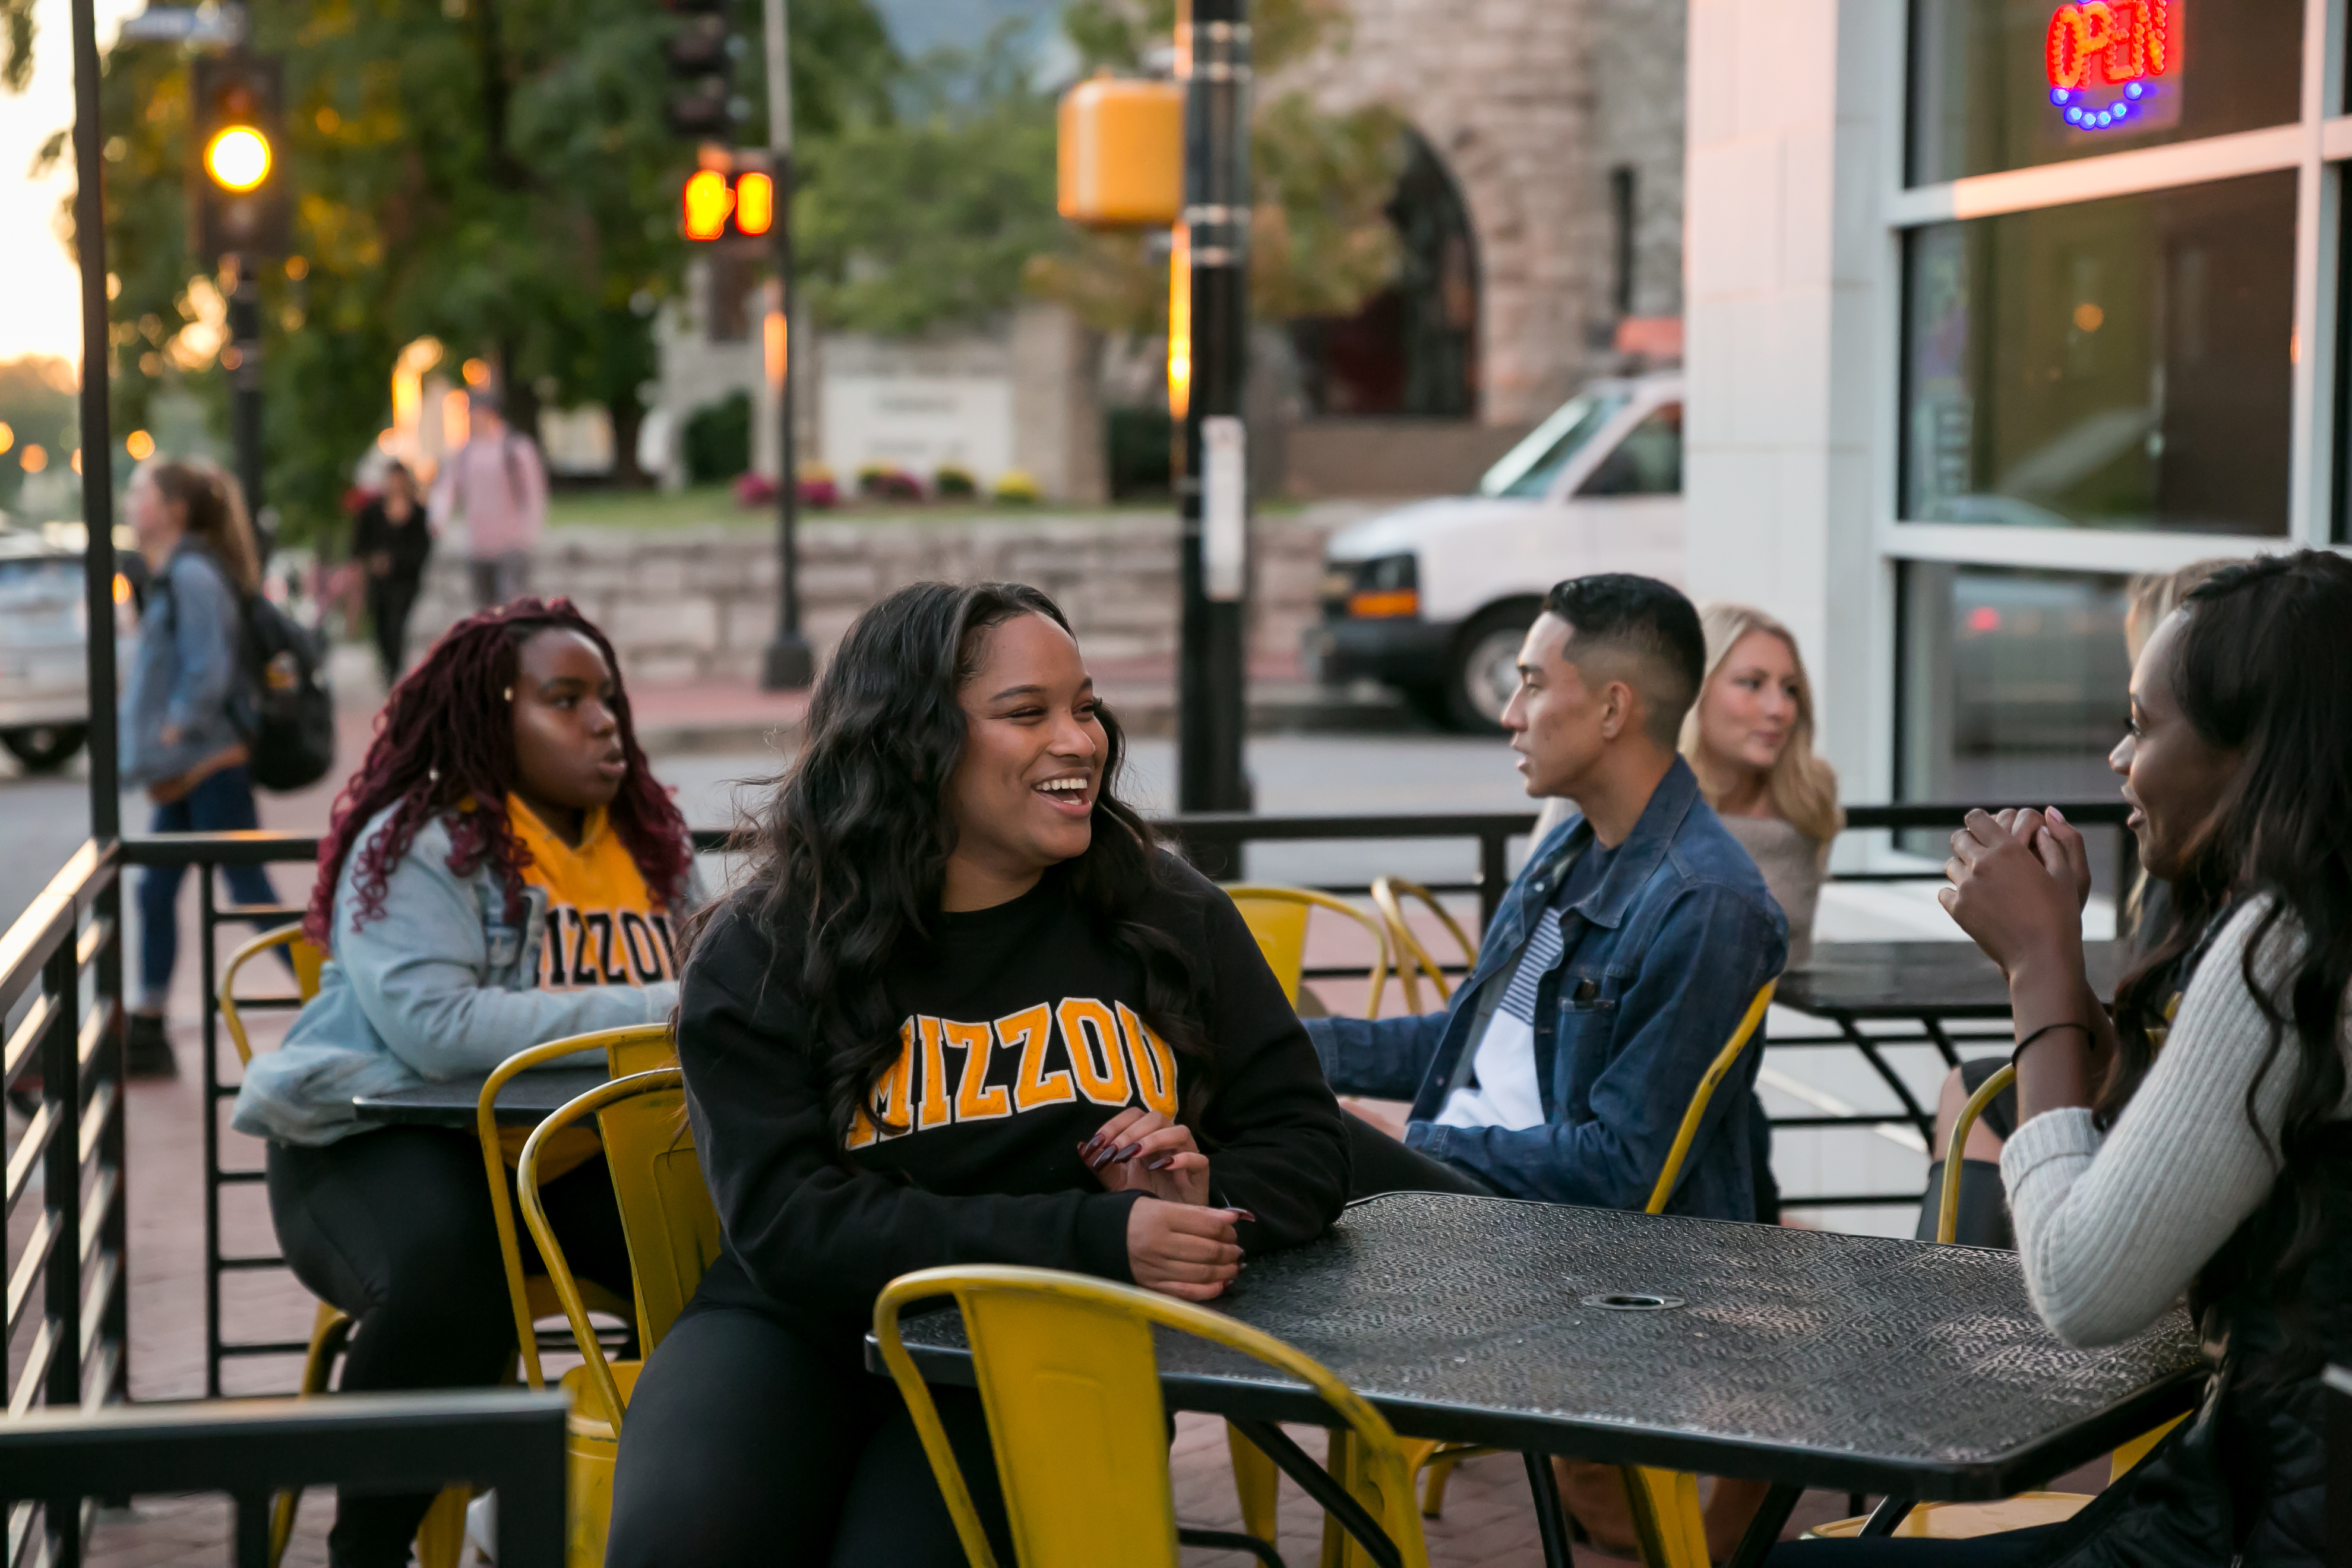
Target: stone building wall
pixel 700 604
pixel 1530 103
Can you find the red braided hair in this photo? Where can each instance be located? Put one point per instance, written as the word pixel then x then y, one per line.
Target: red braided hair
pixel 444 746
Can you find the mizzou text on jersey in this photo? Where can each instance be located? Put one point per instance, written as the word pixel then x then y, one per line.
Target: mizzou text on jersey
pixel 949 1071
pixel 603 928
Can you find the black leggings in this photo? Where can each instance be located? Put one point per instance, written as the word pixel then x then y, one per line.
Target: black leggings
pixel 751 1444
pixel 394 1226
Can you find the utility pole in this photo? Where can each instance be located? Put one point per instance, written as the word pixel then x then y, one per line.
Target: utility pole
pixel 244 388
pixel 1212 57
pixel 789 666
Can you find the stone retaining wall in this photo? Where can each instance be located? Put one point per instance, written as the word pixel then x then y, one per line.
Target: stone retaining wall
pixel 700 604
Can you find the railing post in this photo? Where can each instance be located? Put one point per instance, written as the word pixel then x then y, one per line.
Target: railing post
pixel 61 1195
pixel 1494 876
pixel 209 1103
pixel 113 1144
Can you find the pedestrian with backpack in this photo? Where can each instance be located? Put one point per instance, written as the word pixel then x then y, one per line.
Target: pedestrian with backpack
pixel 496 480
pixel 180 734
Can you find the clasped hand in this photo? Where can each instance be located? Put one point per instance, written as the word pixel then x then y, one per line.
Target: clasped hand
pixel 2019 879
pixel 1175 1243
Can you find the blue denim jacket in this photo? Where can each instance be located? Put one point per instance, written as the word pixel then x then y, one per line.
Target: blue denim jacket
pixel 1661 962
pixel 185 672
pixel 441 984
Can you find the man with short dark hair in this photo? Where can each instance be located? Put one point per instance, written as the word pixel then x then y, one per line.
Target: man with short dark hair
pixel 1618 964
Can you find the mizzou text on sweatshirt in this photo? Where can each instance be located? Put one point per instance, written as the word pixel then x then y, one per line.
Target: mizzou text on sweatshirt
pixel 1023 1030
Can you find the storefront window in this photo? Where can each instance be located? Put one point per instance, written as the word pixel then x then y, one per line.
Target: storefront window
pixel 2008 84
pixel 2121 363
pixel 2014 683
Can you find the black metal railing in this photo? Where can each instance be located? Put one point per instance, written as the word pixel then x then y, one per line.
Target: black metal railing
pixel 60 1463
pixel 61 1060
pixel 1213 838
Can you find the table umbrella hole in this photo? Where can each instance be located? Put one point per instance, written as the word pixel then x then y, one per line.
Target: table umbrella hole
pixel 1631 1301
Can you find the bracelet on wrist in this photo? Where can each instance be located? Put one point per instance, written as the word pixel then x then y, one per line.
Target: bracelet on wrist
pixel 2046 1029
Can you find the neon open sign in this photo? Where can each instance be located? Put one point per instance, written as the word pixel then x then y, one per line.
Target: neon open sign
pixel 2105 57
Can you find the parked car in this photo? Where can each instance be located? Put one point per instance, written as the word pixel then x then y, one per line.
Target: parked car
pixel 1435 599
pixel 43 691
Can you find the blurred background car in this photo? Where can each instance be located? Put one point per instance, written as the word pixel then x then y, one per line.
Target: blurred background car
pixel 1435 599
pixel 43 694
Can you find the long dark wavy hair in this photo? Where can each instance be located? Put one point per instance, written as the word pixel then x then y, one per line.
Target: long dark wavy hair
pixel 848 856
pixel 443 747
pixel 2263 667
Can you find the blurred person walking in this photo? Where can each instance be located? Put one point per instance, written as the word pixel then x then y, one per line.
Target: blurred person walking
pixel 497 481
pixel 180 738
pixel 390 543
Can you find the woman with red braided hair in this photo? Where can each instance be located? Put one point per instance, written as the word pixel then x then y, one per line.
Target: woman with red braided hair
pixel 501 871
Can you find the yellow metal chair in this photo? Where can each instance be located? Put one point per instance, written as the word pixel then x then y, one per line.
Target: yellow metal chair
pixel 1278 916
pixel 441 1538
pixel 673 1235
pixel 534 1297
pixel 1413 960
pixel 1962 1520
pixel 1071 1384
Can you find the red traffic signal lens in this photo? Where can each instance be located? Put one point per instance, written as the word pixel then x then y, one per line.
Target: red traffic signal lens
pixel 755 202
pixel 707 203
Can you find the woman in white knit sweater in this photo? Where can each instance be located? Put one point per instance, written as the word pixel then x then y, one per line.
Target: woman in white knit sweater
pixel 2219 1166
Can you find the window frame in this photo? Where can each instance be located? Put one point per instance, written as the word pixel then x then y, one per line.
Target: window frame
pixel 2316 145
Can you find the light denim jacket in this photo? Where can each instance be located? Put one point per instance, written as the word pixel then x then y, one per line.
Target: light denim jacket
pixel 1661 962
pixel 184 670
pixel 439 986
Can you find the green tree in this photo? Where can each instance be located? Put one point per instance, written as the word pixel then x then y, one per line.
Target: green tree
pixel 37 408
pixel 928 213
pixel 495 174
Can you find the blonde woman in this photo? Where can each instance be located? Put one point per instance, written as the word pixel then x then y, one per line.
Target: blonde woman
pixel 1750 739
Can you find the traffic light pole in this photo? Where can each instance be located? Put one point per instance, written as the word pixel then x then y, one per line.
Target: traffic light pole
pixel 1211 680
pixel 790 665
pixel 245 389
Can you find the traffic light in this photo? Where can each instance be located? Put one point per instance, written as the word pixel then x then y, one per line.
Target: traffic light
pixel 236 188
pixel 728 198
pixel 702 58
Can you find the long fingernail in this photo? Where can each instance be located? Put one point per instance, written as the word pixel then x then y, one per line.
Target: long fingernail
pixel 1124 1155
pixel 1097 1161
pixel 1162 1163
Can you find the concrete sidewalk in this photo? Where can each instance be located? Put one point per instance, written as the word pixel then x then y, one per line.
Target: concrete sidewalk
pixel 681 719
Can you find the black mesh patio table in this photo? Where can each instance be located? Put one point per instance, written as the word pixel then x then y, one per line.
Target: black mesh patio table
pixel 525 1100
pixel 1798 1357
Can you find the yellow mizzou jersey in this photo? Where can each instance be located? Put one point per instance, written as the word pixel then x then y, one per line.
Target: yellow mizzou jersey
pixel 603 926
pixel 1079 1050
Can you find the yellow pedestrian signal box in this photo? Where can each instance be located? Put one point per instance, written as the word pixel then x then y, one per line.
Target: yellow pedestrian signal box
pixel 1122 153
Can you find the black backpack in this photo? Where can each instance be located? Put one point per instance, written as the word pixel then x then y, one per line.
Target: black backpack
pixel 287 710
pixel 284 708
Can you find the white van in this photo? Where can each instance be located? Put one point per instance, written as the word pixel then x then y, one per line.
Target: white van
pixel 1435 599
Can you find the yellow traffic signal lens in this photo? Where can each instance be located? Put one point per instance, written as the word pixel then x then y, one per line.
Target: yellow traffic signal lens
pixel 237 158
pixel 707 203
pixel 755 202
